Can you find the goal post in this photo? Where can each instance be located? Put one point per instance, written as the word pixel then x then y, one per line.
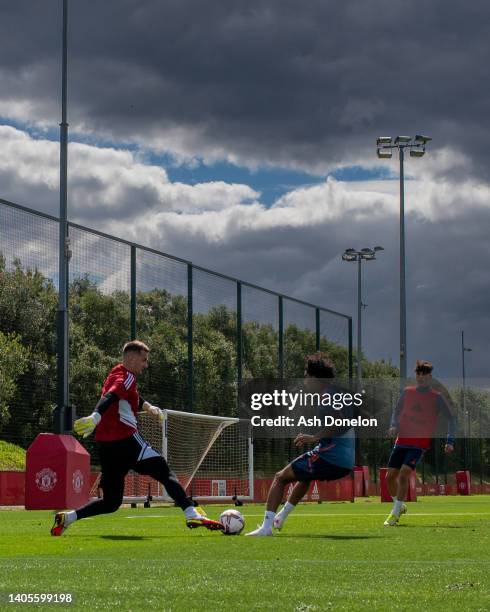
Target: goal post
pixel 211 456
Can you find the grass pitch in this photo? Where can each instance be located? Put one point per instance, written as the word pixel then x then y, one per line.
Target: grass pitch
pixel 327 557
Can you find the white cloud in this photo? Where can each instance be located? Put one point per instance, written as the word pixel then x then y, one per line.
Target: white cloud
pixel 292 246
pixel 103 182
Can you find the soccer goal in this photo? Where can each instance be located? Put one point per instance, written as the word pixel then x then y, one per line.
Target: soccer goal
pixel 212 457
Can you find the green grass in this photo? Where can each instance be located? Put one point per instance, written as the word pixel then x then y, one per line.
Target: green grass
pixel 328 557
pixel 12 457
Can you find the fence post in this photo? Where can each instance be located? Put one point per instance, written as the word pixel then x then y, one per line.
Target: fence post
pixel 281 338
pixel 239 346
pixel 190 340
pixel 317 325
pixel 133 292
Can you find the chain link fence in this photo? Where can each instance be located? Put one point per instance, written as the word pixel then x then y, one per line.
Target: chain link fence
pixel 207 332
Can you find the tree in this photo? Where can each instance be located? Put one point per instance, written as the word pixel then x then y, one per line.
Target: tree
pixel 14 360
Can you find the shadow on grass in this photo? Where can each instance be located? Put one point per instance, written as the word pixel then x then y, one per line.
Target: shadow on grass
pixel 437 526
pixel 135 538
pixel 316 536
pixel 124 538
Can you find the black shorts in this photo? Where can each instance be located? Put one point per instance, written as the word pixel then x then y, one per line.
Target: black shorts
pixel 120 456
pixel 307 468
pixel 405 455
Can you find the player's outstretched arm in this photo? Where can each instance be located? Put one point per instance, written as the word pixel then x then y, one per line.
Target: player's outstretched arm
pixel 86 425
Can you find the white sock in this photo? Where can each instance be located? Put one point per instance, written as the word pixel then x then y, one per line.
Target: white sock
pixel 397 506
pixel 70 517
pixel 190 512
pixel 287 508
pixel 268 519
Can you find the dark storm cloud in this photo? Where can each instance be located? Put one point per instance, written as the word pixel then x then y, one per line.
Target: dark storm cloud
pixel 282 81
pixel 297 83
pixel 447 279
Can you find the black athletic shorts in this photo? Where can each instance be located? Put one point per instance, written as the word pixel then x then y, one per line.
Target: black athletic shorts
pixel 120 456
pixel 405 455
pixel 308 467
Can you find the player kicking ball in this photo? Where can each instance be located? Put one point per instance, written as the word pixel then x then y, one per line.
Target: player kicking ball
pixel 122 448
pixel 415 420
pixel 331 458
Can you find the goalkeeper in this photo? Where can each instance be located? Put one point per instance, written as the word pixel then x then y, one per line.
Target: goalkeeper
pixel 122 448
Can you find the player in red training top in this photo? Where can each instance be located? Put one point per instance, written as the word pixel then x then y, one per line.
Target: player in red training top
pixel 415 420
pixel 121 446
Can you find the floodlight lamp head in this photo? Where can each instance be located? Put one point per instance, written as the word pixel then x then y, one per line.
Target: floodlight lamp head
pixel 383 140
pixel 350 250
pixel 403 139
pixel 366 250
pixel 422 139
pixel 369 256
pixel 347 257
pixel 378 248
pixel 384 153
pixel 417 152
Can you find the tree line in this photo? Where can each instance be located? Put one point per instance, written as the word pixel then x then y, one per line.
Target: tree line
pixel 99 326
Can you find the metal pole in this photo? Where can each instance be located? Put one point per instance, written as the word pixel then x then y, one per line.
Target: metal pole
pixel 465 416
pixel 403 305
pixel 64 251
pixel 350 348
pixel 317 329
pixel 133 292
pixel 281 338
pixel 359 303
pixel 239 345
pixel 190 340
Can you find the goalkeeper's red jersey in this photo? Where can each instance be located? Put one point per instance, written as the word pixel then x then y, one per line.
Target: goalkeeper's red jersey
pixel 119 420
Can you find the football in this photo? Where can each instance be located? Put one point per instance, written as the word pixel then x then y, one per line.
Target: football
pixel 233 522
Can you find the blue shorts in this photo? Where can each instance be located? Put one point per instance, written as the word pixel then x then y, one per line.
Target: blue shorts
pixel 404 455
pixel 310 466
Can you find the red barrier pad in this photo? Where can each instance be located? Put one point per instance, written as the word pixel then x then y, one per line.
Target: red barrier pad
pixel 463 482
pixel 12 485
pixel 57 473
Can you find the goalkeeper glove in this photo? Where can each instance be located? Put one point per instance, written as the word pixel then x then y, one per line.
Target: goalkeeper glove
pixel 156 412
pixel 86 425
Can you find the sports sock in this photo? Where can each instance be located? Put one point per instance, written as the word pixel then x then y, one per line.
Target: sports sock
pixel 190 512
pixel 287 508
pixel 268 519
pixel 70 517
pixel 397 507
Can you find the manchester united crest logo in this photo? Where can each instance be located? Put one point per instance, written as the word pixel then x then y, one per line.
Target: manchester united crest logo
pixel 46 480
pixel 77 481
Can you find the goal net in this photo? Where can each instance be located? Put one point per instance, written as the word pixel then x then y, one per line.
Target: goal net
pixel 211 456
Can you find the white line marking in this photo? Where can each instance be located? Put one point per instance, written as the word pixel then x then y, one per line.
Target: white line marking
pixel 363 516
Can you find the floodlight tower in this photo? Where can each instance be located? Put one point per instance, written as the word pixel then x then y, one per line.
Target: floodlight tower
pixel 416 146
pixel 352 255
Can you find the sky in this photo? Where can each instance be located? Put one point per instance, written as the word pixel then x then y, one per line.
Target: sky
pixel 241 135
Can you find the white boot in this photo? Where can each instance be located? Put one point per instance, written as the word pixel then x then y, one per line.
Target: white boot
pixel 260 531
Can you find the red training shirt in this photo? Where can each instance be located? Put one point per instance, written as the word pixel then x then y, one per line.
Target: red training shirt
pixel 119 420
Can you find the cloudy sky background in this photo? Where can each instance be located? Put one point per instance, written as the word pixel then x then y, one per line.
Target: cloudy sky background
pixel 241 135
